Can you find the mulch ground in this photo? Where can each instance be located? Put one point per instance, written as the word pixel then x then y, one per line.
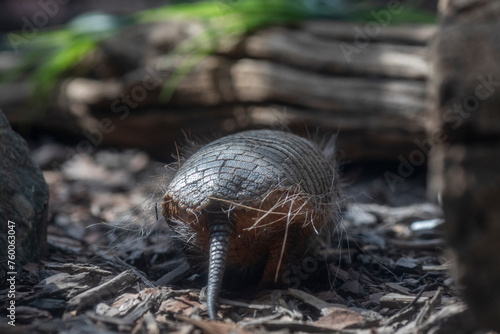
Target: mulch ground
pixel 110 272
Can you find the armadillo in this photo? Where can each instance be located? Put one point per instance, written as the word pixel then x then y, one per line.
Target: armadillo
pixel 253 198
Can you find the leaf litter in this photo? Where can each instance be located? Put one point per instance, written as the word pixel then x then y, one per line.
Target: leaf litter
pixel 387 272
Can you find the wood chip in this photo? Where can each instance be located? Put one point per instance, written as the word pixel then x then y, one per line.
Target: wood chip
pixel 313 301
pixel 102 292
pixel 246 305
pixel 150 299
pixel 398 287
pixel 174 275
pixel 75 268
pixel 396 301
pixel 122 265
pixel 64 285
pixel 351 287
pixel 150 324
pixel 180 305
pixel 418 244
pixel 26 314
pixel 214 327
pixel 66 245
pixel 291 326
pixel 407 265
pixel 339 318
pixel 442 267
pixel 49 304
pixel 110 320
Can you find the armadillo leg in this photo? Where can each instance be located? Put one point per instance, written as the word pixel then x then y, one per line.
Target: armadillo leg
pixel 271 268
pixel 279 257
pixel 220 229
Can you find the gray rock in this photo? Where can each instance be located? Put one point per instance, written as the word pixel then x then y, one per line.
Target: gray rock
pixel 24 199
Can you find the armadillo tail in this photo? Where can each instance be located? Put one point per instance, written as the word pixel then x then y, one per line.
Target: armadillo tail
pixel 220 228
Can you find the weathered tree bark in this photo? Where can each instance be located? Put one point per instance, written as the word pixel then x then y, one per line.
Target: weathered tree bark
pixel 465 167
pixel 314 74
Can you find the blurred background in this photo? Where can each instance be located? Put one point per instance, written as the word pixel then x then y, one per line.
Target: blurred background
pixel 107 92
pixel 150 74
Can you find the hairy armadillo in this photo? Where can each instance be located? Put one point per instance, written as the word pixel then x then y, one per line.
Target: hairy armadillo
pixel 255 198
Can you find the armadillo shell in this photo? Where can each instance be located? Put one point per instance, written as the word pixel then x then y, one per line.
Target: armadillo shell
pixel 244 167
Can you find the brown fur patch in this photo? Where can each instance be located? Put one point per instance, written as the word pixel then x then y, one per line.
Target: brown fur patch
pixel 275 230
